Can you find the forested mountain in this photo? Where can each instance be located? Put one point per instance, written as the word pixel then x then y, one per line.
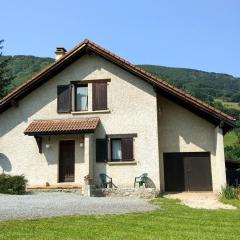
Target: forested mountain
pixel 204 85
pixel 24 67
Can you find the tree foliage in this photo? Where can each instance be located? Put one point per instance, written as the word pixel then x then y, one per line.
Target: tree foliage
pixel 203 85
pixel 23 67
pixel 232 152
pixel 6 78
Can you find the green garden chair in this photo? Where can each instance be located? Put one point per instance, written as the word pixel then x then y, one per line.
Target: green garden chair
pixel 105 180
pixel 140 180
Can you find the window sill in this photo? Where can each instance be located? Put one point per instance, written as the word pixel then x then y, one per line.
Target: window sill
pixel 122 163
pixel 90 112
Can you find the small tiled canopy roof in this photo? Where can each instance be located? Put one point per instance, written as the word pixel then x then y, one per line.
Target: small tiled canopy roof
pixel 62 126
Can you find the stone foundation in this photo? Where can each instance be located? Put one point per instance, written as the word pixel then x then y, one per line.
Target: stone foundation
pixel 93 191
pixel 122 192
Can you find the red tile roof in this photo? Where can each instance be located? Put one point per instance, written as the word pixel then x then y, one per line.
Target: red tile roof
pixel 88 46
pixel 62 126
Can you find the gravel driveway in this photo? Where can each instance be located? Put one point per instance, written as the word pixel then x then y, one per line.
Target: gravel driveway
pixel 40 205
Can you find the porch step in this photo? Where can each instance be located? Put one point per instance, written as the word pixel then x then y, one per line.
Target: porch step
pixel 60 187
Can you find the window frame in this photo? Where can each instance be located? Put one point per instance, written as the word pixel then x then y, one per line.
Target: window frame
pixel 78 83
pixel 76 86
pixel 111 148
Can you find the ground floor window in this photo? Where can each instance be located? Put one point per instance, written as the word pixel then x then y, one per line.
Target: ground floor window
pixel 122 149
pixel 115 148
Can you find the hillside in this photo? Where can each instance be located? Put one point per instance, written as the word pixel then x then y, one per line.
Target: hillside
pixel 220 90
pixel 204 85
pixel 24 67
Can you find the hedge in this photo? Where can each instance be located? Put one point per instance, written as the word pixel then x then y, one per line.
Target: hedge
pixel 12 184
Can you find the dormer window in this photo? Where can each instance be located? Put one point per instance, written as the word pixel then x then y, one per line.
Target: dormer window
pixel 81 98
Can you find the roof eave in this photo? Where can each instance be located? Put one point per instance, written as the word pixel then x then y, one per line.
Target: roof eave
pixel 59 133
pixel 87 47
pixel 230 124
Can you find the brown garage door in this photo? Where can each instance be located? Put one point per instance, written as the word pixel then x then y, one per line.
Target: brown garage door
pixel 188 171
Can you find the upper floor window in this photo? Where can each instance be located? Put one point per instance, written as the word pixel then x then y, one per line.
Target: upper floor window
pixel 74 96
pixel 81 98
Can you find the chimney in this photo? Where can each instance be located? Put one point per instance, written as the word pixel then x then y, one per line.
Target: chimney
pixel 60 51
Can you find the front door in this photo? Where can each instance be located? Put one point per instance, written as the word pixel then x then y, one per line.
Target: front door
pixel 66 161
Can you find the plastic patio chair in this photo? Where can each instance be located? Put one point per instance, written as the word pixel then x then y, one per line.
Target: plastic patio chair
pixel 140 180
pixel 105 180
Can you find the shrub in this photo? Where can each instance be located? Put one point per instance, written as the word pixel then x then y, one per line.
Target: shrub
pixel 230 192
pixel 232 152
pixel 12 184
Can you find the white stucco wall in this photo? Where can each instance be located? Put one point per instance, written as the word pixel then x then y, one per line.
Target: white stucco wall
pixel 132 103
pixel 161 126
pixel 182 131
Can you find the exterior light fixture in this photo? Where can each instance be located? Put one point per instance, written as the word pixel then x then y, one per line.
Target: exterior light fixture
pixel 48 143
pixel 81 144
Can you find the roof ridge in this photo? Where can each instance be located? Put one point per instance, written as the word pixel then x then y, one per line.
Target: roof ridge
pixel 165 83
pixel 127 65
pixel 44 70
pixel 67 119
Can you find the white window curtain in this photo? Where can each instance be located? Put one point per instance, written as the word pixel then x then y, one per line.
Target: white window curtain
pixel 116 150
pixel 82 98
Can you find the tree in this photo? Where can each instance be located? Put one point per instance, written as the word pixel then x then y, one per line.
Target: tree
pixel 6 78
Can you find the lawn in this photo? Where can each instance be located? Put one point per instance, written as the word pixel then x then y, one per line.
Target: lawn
pixel 230 138
pixel 234 105
pixel 172 221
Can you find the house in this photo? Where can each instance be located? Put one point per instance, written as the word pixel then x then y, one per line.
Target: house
pixel 92 112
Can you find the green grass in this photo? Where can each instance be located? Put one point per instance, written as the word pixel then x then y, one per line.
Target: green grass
pixel 172 221
pixel 233 105
pixel 230 138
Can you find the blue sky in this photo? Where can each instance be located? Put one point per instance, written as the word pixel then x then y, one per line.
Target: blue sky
pixel 200 34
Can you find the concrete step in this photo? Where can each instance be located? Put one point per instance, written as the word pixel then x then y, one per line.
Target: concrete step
pixel 60 187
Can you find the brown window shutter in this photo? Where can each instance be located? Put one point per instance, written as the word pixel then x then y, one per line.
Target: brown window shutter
pixel 99 96
pixel 64 98
pixel 127 149
pixel 101 150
